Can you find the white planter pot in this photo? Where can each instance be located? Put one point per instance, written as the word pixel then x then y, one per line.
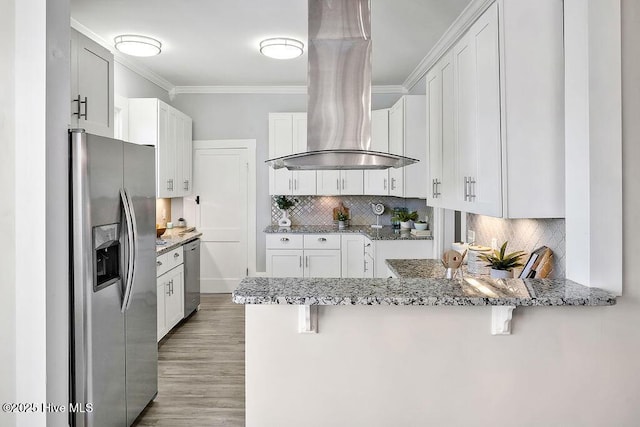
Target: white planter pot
pixel 405 224
pixel 501 274
pixel 341 225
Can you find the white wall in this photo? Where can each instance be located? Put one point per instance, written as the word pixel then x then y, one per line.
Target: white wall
pixel 7 211
pixel 130 84
pixel 416 366
pixel 245 116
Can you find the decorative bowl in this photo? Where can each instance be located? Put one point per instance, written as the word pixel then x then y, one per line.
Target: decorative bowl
pixel 420 225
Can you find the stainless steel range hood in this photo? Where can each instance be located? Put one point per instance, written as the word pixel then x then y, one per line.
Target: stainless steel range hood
pixel 339 91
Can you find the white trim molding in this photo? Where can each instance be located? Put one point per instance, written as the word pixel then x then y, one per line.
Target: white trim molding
pixel 272 90
pixel 462 23
pixel 124 60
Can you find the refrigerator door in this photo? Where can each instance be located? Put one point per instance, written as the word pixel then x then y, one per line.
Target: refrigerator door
pixel 141 307
pixel 98 246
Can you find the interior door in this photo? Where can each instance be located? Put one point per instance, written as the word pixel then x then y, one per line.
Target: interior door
pixel 221 186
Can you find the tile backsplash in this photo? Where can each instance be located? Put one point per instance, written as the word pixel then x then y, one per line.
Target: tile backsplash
pixel 523 235
pixel 318 210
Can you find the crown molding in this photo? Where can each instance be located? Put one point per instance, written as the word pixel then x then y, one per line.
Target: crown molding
pixel 269 90
pixel 462 23
pixel 124 60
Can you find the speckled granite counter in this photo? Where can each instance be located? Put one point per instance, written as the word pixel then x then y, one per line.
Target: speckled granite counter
pixel 428 289
pixel 175 237
pixel 384 233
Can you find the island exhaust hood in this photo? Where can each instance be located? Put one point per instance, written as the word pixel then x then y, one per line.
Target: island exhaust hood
pixel 339 91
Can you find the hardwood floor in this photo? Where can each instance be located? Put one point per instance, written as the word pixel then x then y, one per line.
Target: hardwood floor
pixel 201 369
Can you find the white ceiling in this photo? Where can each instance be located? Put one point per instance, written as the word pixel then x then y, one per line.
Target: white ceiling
pixel 215 42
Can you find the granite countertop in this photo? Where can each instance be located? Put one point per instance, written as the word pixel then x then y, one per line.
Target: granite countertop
pixel 384 233
pixel 176 237
pixel 429 288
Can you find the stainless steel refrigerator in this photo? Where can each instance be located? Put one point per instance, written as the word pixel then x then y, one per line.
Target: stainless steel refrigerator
pixel 114 353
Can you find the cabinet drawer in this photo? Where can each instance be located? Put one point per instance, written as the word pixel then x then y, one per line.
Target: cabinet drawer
pixel 162 264
pixel 322 241
pixel 169 260
pixel 284 241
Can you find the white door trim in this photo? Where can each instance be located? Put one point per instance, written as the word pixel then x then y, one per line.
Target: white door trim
pixel 250 146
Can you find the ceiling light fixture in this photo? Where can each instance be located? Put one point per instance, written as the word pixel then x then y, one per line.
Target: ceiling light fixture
pixel 137 45
pixel 281 48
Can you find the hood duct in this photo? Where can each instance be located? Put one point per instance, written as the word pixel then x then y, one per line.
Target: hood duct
pixel 339 91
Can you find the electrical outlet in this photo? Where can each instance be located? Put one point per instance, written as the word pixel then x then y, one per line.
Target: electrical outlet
pixel 471 236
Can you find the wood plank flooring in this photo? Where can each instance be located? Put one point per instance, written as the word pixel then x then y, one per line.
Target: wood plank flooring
pixel 201 369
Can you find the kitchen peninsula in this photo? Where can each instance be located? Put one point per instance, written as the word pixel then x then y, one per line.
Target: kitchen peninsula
pixel 378 347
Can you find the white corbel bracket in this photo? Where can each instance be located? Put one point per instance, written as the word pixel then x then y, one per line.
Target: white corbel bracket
pixel 308 319
pixel 501 319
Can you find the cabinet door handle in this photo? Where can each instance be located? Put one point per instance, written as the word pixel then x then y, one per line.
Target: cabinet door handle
pixel 284 239
pixel 433 188
pixel 300 261
pixel 86 108
pixel 168 288
pixel 436 183
pixel 367 245
pixel 365 265
pixel 186 184
pixel 176 255
pixel 158 263
pixel 393 183
pixel 290 184
pixel 466 188
pixel 338 184
pixel 343 183
pixel 295 184
pixel 78 100
pixel 322 239
pixel 384 184
pixel 472 188
pixel 306 261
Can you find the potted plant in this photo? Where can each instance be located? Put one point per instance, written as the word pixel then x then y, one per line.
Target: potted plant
pixel 405 218
pixel 501 263
pixel 342 218
pixel 284 203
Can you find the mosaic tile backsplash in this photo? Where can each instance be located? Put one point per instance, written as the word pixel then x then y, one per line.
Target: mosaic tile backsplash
pixel 318 210
pixel 523 235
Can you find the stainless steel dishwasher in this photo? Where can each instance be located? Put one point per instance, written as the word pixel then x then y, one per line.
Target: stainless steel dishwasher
pixel 191 277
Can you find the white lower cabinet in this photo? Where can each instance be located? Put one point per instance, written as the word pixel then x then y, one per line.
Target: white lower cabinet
pixel 322 263
pixel 353 255
pixel 348 255
pixel 170 290
pixel 285 263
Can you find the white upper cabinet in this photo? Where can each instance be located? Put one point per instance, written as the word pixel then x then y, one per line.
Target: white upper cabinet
pixel 498 147
pixel 407 137
pixel 92 105
pixel 347 182
pixel 376 182
pixel 153 122
pixel 477 97
pixel 288 135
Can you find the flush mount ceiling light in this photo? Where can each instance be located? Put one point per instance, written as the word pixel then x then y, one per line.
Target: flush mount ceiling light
pixel 137 45
pixel 281 48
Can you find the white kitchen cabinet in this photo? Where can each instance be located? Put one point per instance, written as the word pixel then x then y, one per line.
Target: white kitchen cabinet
pixel 347 182
pixel 407 137
pixel 477 96
pixel 285 263
pixel 288 135
pixel 170 290
pixel 441 133
pixel 353 255
pixel 153 122
pixel 376 182
pixel 322 263
pixel 508 127
pixel 92 99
